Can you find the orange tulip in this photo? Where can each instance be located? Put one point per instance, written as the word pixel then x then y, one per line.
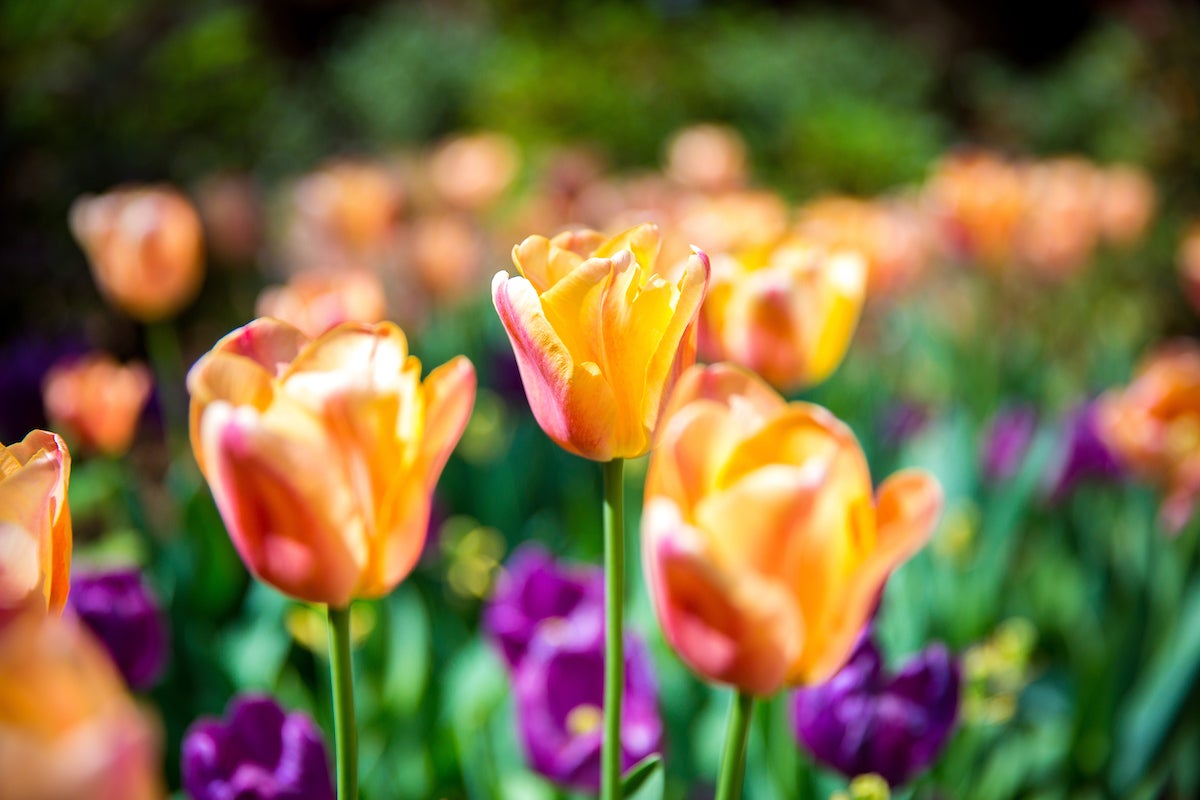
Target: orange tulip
pixel 322 455
pixel 1188 263
pixel 35 524
pixel 145 247
pixel 763 547
pixel 787 312
pixel 68 727
pixel 1153 425
pixel 708 158
pixel 600 337
pixel 473 172
pixel 316 301
pixel 96 401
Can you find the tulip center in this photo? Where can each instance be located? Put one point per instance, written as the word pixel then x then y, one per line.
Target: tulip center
pixel 584 719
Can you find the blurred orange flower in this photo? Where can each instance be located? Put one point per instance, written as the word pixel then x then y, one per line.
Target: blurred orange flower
pixel 322 455
pixel 68 728
pixel 231 208
pixel 1189 263
pixel 763 547
pixel 317 300
pixel 1153 425
pixel 145 248
pixel 448 253
pixel 708 158
pixel 35 524
pixel 786 312
pixel 600 337
pixel 96 402
pixel 1127 204
pixel 978 199
pixel 473 172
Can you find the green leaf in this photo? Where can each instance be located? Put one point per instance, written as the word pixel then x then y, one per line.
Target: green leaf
pixel 644 781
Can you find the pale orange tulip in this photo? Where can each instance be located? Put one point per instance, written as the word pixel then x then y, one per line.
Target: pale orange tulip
pixel 96 402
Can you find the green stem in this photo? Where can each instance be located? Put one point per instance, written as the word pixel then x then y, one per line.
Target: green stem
pixel 345 730
pixel 166 358
pixel 614 647
pixel 733 760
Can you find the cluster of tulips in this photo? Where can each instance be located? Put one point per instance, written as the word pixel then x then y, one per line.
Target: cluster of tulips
pixel 764 543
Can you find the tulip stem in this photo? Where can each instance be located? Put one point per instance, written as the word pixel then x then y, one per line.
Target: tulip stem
pixel 733 760
pixel 166 357
pixel 614 645
pixel 344 728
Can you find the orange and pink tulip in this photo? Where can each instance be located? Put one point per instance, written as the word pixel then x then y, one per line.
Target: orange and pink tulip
pixel 97 402
pixel 35 525
pixel 316 301
pixel 764 547
pixel 600 337
pixel 323 454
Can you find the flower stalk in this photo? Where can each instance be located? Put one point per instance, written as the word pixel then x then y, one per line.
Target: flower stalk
pixel 614 650
pixel 733 760
pixel 344 728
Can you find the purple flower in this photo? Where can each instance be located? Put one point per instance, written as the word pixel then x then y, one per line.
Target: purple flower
pixel 1083 455
pixel 258 752
pixel 865 720
pixel 124 614
pixel 24 363
pixel 532 589
pixel 1007 441
pixel 560 700
pixel 901 422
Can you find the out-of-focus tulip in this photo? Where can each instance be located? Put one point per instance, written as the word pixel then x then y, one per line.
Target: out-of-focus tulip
pixel 1060 226
pixel 979 199
pixel 231 208
pixel 763 546
pixel 322 455
pixel 316 301
pixel 97 402
pixel 709 158
pixel 1006 442
pixel 122 611
pixel 1127 204
pixel 472 172
pixel 864 720
pixel 1189 263
pixel 901 422
pixel 559 690
pixel 600 337
pixel 68 728
pixel 257 752
pixel 731 222
pixel 447 251
pixel 1083 455
pixel 535 589
pixel 354 203
pixel 1153 425
pixel 787 313
pixel 145 248
pixel 35 524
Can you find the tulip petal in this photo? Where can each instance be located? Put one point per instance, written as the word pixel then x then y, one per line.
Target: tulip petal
pixel 643 241
pixel 33 496
pixel 571 401
pixel 677 345
pixel 449 398
pixel 843 287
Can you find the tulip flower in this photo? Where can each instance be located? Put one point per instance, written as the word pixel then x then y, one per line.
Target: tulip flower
pixel 473 172
pixel 258 752
pixel 787 313
pixel 559 690
pixel 144 244
pixel 600 337
pixel 1153 426
pixel 68 728
pixel 35 524
pixel 322 455
pixel 533 589
pixel 1007 442
pixel 866 720
pixel 763 546
pixel 1083 455
pixel 316 301
pixel 707 158
pixel 96 402
pixel 123 613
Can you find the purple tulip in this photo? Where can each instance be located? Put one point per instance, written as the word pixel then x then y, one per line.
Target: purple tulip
pixel 1084 456
pixel 532 589
pixel 866 720
pixel 1007 441
pixel 560 699
pixel 258 752
pixel 901 422
pixel 123 612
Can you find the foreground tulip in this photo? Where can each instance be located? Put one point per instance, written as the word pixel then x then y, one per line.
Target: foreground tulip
pixel 145 248
pixel 1153 426
pixel 97 402
pixel 258 752
pixel 600 337
pixel 787 313
pixel 322 455
pixel 35 524
pixel 560 698
pixel 865 720
pixel 123 613
pixel 763 547
pixel 68 728
pixel 534 589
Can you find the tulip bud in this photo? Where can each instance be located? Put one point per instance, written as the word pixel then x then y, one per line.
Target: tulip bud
pixel 96 401
pixel 122 611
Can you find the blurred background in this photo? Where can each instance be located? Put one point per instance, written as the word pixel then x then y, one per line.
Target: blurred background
pixel 1023 179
